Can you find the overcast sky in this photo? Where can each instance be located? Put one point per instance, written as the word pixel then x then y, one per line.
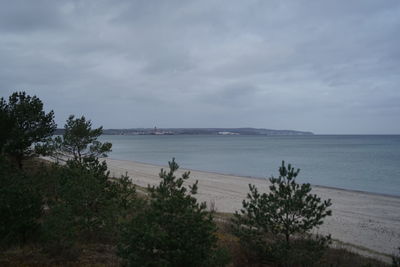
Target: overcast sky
pixel 321 66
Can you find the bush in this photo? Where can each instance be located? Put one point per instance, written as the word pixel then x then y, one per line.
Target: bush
pixel 86 205
pixel 173 229
pixel 396 259
pixel 20 205
pixel 274 226
pixel 125 200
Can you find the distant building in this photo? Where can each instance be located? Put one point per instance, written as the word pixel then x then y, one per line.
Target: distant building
pixel 227 133
pixel 161 132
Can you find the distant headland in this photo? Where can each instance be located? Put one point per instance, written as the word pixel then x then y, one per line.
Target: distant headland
pixel 198 131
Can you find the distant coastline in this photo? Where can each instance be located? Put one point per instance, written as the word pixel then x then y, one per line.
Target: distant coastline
pixel 198 131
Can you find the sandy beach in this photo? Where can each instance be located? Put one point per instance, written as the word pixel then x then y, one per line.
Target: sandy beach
pixel 369 222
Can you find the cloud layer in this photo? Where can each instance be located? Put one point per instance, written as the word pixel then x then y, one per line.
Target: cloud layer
pixel 322 66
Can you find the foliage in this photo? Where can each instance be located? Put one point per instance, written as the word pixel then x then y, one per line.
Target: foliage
pixel 396 260
pixel 6 124
pixel 53 148
pixel 275 225
pixel 123 193
pixel 25 124
pixel 173 229
pixel 87 203
pixel 80 140
pixel 20 205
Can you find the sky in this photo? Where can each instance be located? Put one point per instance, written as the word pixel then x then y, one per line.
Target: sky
pixel 330 67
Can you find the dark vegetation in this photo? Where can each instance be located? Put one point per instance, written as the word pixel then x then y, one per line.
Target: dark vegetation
pixel 79 141
pixel 71 212
pixel 24 125
pixel 275 227
pixel 173 230
pixel 396 259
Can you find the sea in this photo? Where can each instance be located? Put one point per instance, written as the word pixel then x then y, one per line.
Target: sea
pixel 369 163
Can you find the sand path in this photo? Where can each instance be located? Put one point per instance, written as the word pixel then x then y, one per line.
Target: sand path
pixel 369 221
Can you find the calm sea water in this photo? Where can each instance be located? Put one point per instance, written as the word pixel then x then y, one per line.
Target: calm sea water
pixel 366 163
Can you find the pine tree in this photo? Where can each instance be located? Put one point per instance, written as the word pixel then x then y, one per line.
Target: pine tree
pixel 273 219
pixel 80 141
pixel 173 230
pixel 24 124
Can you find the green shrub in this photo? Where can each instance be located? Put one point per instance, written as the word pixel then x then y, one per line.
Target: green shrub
pixel 173 229
pixel 20 205
pixel 123 193
pixel 396 259
pixel 86 204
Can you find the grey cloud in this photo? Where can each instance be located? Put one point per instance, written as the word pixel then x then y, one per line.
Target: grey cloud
pixel 328 67
pixel 24 16
pixel 238 95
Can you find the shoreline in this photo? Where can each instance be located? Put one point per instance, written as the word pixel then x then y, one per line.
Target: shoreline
pixel 370 222
pixel 260 178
